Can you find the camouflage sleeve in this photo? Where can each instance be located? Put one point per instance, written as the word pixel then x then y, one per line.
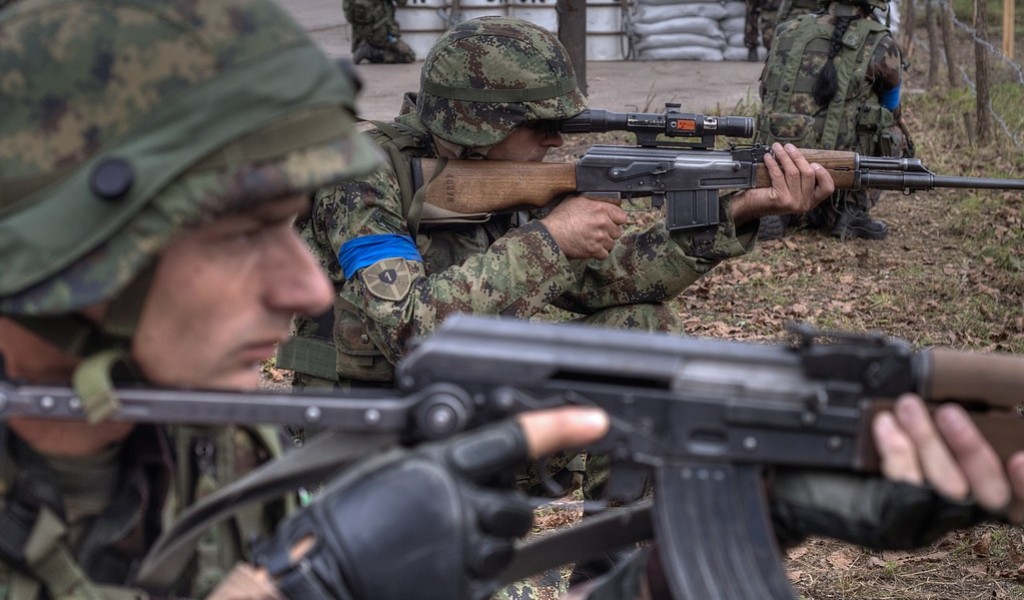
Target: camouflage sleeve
pixel 654 265
pixel 518 275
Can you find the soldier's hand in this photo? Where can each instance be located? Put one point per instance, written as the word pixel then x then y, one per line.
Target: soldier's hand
pixel 949 454
pixel 435 522
pixel 940 475
pixel 585 228
pixel 797 187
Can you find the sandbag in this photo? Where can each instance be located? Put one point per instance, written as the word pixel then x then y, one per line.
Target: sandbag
pixel 648 13
pixel 674 40
pixel 701 25
pixel 732 24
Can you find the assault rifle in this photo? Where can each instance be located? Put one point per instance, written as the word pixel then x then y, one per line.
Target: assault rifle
pixel 704 417
pixel 684 176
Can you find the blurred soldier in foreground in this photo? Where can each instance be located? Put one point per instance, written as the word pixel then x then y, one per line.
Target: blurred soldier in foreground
pixel 376 36
pixel 147 236
pixel 146 232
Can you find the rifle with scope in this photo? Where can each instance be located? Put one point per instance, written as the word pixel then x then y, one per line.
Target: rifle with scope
pixel 674 163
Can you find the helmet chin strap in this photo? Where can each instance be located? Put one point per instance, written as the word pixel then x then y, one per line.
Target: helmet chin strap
pixel 101 346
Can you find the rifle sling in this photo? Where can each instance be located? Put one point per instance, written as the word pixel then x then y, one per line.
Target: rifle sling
pixel 610 530
pixel 313 462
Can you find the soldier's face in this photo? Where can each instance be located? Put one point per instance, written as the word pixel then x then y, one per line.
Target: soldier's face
pixel 526 143
pixel 224 294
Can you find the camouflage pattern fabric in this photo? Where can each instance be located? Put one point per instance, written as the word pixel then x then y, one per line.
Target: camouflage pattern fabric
pixel 865 126
pixel 374 25
pixel 761 19
pixel 516 273
pixel 791 9
pixel 486 76
pixel 150 491
pixel 176 134
pixel 496 269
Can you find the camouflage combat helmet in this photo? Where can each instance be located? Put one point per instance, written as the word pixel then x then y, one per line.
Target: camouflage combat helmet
pixel 486 76
pixel 124 121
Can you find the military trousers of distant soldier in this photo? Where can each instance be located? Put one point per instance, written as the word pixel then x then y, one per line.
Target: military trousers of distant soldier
pixel 760 23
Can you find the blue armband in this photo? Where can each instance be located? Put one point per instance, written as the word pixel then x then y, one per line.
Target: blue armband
pixel 891 99
pixel 370 249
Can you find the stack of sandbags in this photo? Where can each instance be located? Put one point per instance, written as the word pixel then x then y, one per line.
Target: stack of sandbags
pixel 683 30
pixel 696 29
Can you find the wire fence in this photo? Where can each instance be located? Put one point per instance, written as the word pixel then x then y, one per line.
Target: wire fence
pixel 1013 70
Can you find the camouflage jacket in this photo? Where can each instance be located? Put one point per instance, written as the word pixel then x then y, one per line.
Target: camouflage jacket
pixel 101 516
pixel 491 268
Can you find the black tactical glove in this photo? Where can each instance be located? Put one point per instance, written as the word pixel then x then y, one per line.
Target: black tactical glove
pixel 410 524
pixel 863 510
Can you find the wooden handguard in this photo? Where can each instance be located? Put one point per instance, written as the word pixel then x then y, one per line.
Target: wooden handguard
pixel 996 380
pixel 839 163
pixel 991 388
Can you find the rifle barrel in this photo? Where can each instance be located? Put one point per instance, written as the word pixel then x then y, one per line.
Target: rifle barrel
pixel 990 183
pixel 888 180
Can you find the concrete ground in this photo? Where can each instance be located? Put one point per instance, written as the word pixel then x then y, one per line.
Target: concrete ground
pixel 612 85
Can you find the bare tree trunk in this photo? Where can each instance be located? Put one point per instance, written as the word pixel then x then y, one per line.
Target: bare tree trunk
pixel 949 42
pixel 981 71
pixel 908 24
pixel 932 19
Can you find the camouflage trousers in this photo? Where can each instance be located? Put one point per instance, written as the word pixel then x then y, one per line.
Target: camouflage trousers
pixel 760 22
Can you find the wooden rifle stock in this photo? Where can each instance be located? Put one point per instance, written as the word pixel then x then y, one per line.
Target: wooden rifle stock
pixel 485 186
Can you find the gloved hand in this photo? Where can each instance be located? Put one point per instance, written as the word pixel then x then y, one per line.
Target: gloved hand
pixel 868 511
pixel 436 522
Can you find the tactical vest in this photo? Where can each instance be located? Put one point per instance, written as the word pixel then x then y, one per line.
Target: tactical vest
pixel 37 562
pixel 854 119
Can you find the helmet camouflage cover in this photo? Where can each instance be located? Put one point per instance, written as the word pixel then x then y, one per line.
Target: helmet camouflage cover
pixel 486 76
pixel 124 121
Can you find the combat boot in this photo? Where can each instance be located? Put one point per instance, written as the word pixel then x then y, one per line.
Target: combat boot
pixel 854 222
pixel 367 52
pixel 752 55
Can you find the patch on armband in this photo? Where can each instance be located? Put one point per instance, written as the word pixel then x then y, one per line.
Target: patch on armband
pixel 389 279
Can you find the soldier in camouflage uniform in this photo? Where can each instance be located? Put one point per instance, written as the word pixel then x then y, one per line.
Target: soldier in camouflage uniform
pixel 761 18
pixel 153 159
pixel 146 233
pixel 376 36
pixel 833 81
pixel 490 89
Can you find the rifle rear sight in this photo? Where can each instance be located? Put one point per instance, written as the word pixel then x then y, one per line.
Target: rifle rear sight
pixel 700 130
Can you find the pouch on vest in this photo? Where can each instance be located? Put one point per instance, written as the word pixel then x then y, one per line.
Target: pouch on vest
pixel 793 128
pixel 874 130
pixel 356 355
